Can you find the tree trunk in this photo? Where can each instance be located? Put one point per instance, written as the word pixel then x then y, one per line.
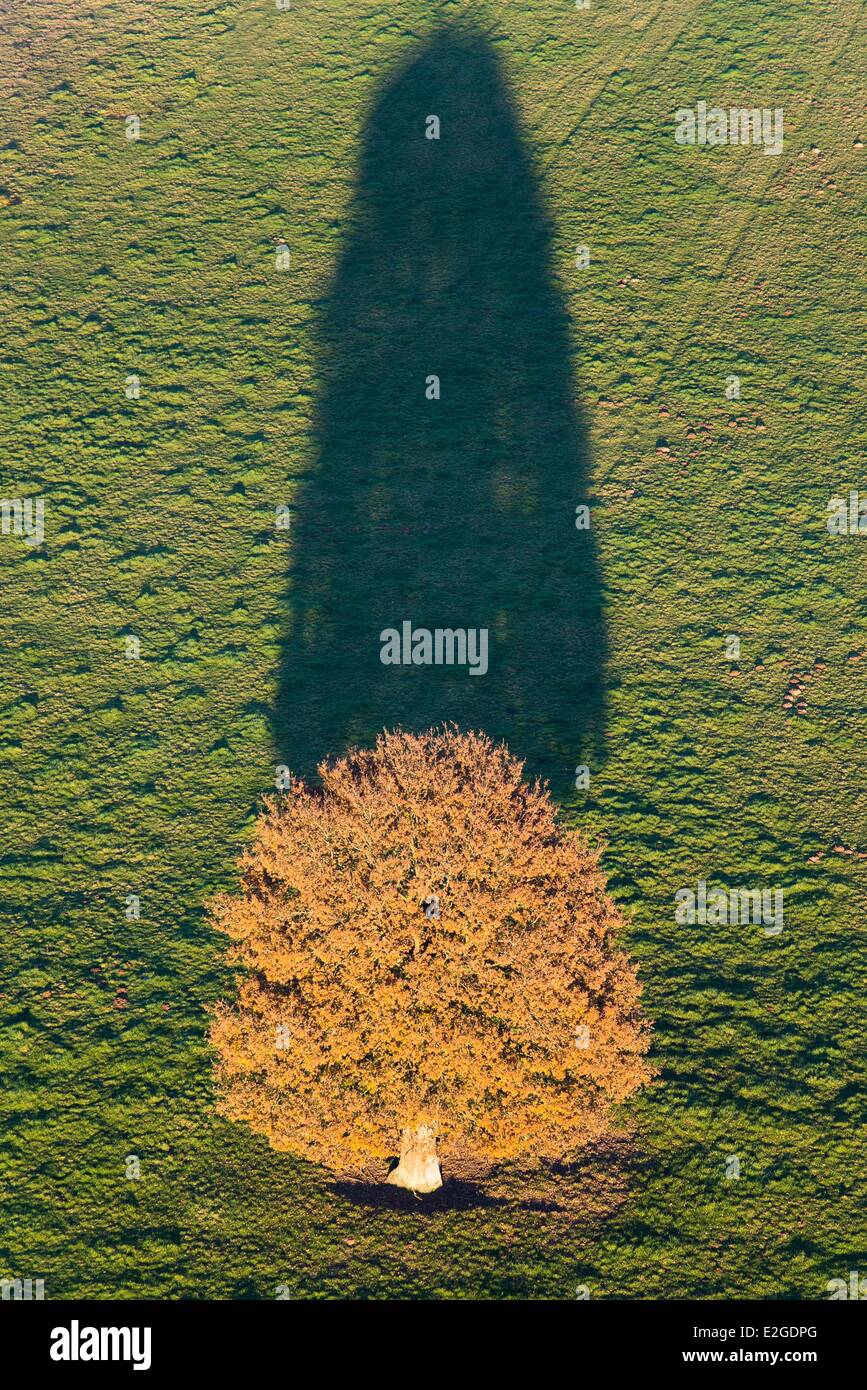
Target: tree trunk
pixel 419 1168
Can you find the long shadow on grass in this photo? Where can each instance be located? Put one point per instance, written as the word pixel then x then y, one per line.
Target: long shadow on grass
pixel 457 512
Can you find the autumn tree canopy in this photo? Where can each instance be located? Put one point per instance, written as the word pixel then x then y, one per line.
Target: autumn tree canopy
pixel 430 968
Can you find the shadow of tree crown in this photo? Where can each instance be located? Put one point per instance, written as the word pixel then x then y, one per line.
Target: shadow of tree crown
pixel 456 512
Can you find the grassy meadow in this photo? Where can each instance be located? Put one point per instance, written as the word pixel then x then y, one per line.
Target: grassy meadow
pixel 263 387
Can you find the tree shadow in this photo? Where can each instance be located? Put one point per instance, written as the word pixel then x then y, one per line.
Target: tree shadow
pixel 586 1192
pixel 452 1196
pixel 457 512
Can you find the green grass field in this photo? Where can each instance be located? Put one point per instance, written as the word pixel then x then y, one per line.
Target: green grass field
pixel 261 387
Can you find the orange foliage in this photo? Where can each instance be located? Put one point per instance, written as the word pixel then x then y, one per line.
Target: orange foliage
pixel 510 1023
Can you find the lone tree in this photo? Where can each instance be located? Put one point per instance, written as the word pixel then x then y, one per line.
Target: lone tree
pixel 430 966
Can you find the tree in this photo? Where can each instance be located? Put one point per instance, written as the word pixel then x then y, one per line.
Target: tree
pixel 430 967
